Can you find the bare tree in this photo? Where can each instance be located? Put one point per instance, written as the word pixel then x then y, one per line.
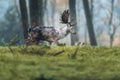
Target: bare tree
pixel 91 11
pixel 112 28
pixel 24 16
pixel 89 23
pixel 74 38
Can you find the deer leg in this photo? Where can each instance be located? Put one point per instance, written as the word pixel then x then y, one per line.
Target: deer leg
pixel 54 40
pixel 50 43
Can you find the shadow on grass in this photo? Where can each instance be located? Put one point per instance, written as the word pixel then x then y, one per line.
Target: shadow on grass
pixel 42 77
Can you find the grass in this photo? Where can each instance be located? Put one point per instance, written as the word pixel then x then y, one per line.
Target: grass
pixel 39 63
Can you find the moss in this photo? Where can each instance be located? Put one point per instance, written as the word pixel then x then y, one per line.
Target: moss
pixel 38 62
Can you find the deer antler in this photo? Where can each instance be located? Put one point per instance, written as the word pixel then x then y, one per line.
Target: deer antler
pixel 65 17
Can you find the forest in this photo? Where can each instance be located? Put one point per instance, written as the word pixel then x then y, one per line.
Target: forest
pixel 59 40
pixel 96 22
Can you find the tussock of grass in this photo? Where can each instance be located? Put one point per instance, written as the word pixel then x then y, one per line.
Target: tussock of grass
pixel 39 63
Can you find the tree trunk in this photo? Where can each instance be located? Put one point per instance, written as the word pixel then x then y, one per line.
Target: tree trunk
pixel 89 23
pixel 53 12
pixel 74 38
pixel 91 9
pixel 41 12
pixel 24 16
pixel 111 40
pixel 36 12
pixel 112 29
pixel 46 12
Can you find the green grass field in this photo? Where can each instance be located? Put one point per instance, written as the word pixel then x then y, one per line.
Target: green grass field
pixel 43 63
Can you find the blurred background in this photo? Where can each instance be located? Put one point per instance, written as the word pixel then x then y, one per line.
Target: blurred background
pixel 97 21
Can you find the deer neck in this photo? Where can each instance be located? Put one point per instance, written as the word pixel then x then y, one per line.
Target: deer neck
pixel 63 32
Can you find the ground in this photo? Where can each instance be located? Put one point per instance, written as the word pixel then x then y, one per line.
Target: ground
pixel 41 63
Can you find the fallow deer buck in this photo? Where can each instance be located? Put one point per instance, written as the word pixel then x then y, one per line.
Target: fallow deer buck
pixel 51 34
